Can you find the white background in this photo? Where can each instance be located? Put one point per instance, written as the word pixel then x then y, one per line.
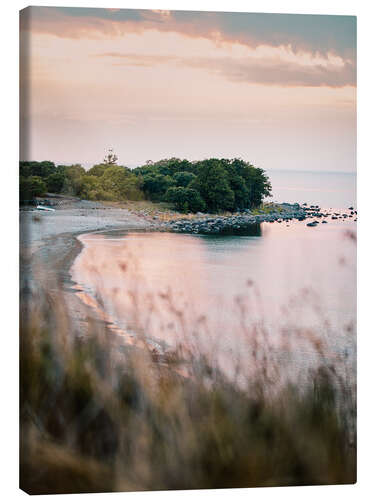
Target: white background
pixel 366 248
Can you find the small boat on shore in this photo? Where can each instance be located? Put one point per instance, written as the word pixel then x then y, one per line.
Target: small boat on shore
pixel 46 209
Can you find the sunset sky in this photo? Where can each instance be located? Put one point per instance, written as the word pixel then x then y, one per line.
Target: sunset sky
pixel 276 90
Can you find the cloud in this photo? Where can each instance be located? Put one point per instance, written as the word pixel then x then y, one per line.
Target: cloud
pixel 140 59
pixel 317 34
pixel 279 73
pixel 252 70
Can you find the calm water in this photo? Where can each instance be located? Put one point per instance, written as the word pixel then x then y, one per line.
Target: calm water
pixel 291 285
pixel 208 292
pixel 327 189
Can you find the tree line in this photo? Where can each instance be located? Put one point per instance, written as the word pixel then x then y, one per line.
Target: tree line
pixel 210 185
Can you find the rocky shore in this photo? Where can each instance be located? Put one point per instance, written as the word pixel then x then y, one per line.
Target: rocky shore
pixel 79 216
pixel 244 222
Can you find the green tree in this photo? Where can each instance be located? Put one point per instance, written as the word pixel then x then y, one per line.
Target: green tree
pixel 156 185
pixel 30 187
pixel 185 199
pixel 121 183
pixel 249 184
pixel 213 185
pixel 171 166
pixel 25 169
pixel 260 187
pixel 183 178
pixel 37 168
pixel 98 170
pixel 92 189
pixel 74 177
pixel 55 182
pixel 165 167
pixel 237 183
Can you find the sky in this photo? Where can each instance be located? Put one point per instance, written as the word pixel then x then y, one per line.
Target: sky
pixel 277 90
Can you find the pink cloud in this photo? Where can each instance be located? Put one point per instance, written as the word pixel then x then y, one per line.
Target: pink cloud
pixel 251 70
pixel 316 34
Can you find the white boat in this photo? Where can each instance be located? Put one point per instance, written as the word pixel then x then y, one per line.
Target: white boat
pixel 46 209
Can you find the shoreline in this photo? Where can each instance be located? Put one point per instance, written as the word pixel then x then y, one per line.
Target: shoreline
pixel 49 242
pixel 49 245
pixel 50 239
pixel 52 250
pixel 241 222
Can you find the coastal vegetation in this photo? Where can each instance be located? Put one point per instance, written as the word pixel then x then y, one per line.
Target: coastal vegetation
pixel 98 416
pixel 212 185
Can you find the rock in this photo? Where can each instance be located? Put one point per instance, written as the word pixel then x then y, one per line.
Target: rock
pixel 236 223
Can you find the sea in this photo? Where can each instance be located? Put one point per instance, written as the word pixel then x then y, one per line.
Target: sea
pixel 289 290
pixel 326 189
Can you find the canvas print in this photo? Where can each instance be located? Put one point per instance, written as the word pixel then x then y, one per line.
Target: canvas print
pixel 187 250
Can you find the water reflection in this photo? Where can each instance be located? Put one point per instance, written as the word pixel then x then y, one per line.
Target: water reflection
pixel 208 292
pixel 249 230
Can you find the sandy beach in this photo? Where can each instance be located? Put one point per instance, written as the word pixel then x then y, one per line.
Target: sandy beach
pixel 50 237
pixel 49 245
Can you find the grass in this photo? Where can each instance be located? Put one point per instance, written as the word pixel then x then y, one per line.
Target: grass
pixel 166 212
pixel 96 416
